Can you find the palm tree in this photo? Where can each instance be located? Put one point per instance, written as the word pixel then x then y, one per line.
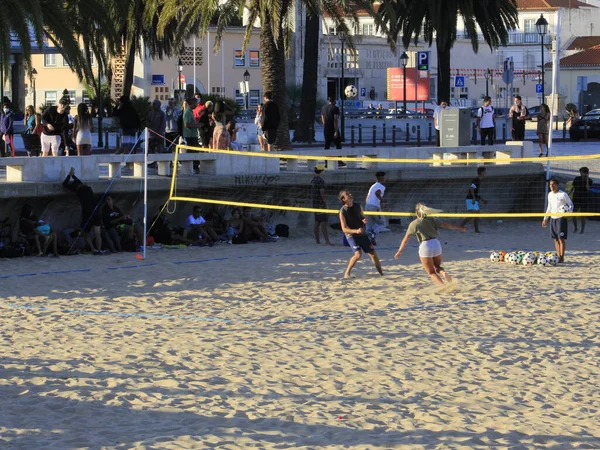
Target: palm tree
pixel 276 32
pixel 438 19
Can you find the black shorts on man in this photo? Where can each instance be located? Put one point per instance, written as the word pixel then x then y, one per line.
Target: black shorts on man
pixel 559 228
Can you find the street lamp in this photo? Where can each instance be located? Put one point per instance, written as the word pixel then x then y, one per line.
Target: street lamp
pixel 404 62
pixel 342 38
pixel 33 77
pixel 99 92
pixel 179 70
pixel 247 85
pixel 488 74
pixel 542 28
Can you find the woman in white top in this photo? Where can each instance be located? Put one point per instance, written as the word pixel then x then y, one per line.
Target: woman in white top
pixel 83 130
pixel 258 120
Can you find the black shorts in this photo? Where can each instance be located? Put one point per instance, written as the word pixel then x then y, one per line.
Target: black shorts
pixel 91 220
pixel 270 136
pixel 559 228
pixel 320 217
pixel 360 242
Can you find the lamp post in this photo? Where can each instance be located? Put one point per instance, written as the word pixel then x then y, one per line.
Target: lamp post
pixel 542 28
pixel 33 77
pixel 247 86
pixel 342 37
pixel 100 100
pixel 404 62
pixel 179 70
pixel 488 74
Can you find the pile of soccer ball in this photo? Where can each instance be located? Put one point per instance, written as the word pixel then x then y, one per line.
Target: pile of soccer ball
pixel 525 258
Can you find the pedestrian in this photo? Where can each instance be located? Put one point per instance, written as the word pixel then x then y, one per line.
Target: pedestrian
pixel 330 115
pixel 543 123
pixel 319 201
pixel 91 214
pixel 352 220
pixel 474 199
pixel 83 130
pixel 258 121
pixel 7 130
pixel 156 121
pixel 206 124
pixel 518 115
pixel 271 119
pixel 172 113
pixel 375 202
pixel 425 229
pixel 558 202
pixel 486 121
pixel 221 139
pixel 582 196
pixel 189 124
pixel 436 120
pixel 31 135
pixel 129 122
pixel 56 126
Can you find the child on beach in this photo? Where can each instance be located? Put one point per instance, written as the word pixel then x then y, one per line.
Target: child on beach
pixel 425 228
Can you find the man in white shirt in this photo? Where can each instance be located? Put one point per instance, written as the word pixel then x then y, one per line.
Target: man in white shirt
pixel 197 228
pixel 558 202
pixel 375 202
pixel 486 121
pixel 436 120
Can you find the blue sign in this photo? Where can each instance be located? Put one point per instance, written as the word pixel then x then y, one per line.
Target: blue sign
pixel 459 82
pixel 539 88
pixel 423 60
pixel 363 92
pixel 158 80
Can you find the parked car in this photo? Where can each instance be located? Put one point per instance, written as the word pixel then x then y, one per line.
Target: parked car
pixel 533 112
pixel 499 111
pixel 587 126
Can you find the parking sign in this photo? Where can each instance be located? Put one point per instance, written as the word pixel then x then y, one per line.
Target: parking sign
pixel 539 88
pixel 423 60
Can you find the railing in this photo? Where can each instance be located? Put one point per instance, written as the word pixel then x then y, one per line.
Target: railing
pixel 518 38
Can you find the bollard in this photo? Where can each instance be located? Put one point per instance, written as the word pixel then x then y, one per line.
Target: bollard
pixel 407 131
pixel 383 137
pixel 374 136
pixel 393 135
pixel 352 136
pixel 429 132
pixel 474 133
pixel 418 135
pixel 360 133
pixel 118 141
pixel 564 130
pixel 504 132
pixel 106 146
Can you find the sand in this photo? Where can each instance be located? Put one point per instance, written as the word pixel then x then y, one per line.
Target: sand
pixel 265 346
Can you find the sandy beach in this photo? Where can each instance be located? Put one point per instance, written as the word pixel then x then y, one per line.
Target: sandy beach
pixel 265 346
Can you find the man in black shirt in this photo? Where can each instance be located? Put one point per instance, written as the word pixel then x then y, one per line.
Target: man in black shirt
pixel 473 198
pixel 353 221
pixel 129 122
pixel 270 119
pixel 56 125
pixel 91 215
pixel 581 196
pixel 330 114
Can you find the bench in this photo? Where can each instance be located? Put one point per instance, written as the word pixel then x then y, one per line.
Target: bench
pixel 501 153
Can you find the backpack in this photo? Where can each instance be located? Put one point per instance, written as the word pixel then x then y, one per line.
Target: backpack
pixel 282 230
pixel 481 108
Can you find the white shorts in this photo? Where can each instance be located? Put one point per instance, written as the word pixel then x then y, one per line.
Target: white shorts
pixel 84 138
pixel 430 248
pixel 472 205
pixel 50 144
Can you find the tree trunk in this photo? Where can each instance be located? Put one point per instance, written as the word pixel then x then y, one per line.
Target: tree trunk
pixel 129 68
pixel 305 128
pixel 273 75
pixel 443 54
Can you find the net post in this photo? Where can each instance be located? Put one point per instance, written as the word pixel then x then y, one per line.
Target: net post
pixel 418 135
pixel 145 190
pixel 393 135
pixel 360 133
pixel 374 135
pixel 352 136
pixel 383 137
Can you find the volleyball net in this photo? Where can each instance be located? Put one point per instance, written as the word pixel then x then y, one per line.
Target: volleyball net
pixel 282 183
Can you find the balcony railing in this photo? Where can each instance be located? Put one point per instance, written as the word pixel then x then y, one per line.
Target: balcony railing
pixel 517 38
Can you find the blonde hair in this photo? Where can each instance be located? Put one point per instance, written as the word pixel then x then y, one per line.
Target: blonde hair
pixel 422 210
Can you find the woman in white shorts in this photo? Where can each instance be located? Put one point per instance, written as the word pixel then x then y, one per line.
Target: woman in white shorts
pixel 83 130
pixel 425 228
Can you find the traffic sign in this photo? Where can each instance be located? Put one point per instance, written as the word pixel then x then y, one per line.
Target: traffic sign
pixel 158 79
pixel 423 60
pixel 182 78
pixel 508 73
pixel 459 81
pixel 539 88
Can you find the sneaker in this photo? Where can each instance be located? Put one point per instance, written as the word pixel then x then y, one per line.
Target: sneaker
pixel 274 236
pixel 342 164
pixel 230 242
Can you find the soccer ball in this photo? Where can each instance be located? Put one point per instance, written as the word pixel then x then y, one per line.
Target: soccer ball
pixel 520 256
pixel 529 259
pixel 512 258
pixel 495 257
pixel 565 209
pixel 351 91
pixel 552 259
pixel 542 260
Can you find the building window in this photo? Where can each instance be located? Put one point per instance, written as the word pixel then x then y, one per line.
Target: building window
pixel 85 98
pixel 50 60
pixel 239 98
pixel 72 98
pixel 239 58
pixel 531 35
pixel 530 61
pixel 459 92
pixel 254 98
pixel 161 93
pixel 65 62
pixel 331 31
pixel 217 90
pixel 254 56
pixel 50 98
pixel 368 29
